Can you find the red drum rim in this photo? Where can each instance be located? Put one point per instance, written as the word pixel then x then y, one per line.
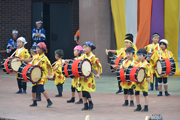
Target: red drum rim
pixel 132 74
pixel 5 65
pixel 117 61
pixel 25 72
pixel 168 66
pixel 75 71
pixel 122 76
pixel 65 70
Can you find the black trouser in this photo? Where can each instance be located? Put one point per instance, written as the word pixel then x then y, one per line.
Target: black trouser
pixel 131 92
pixel 154 80
pixel 21 84
pixel 144 93
pixel 119 85
pixel 38 93
pixel 86 94
pixel 73 89
pixel 60 88
pixel 40 87
pixel 164 80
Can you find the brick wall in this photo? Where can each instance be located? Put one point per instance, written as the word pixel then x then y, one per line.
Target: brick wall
pixel 14 14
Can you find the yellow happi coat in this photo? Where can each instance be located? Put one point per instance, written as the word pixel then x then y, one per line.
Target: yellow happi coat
pixel 44 63
pixel 157 55
pixel 89 84
pixel 59 77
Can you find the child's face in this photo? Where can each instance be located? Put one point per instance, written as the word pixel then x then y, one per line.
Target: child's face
pixel 129 55
pixel 20 43
pixel 56 57
pixel 128 44
pixel 86 49
pixel 76 52
pixel 32 53
pixel 162 46
pixel 39 50
pixel 155 39
pixel 141 57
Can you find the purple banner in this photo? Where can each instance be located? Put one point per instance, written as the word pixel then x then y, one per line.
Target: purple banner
pixel 157 18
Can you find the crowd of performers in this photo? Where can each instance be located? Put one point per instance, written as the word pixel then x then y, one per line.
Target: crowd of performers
pixel 142 62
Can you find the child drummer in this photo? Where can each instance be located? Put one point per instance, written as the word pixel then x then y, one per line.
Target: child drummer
pixel 33 54
pixel 22 53
pixel 78 50
pixel 88 85
pixel 121 52
pixel 57 68
pixel 128 85
pixel 45 64
pixel 144 85
pixel 163 53
pixel 151 49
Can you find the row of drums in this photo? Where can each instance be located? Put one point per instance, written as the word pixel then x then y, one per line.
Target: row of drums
pixel 164 66
pixel 33 73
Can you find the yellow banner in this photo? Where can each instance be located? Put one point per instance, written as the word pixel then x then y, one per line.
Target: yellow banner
pixel 171 28
pixel 118 12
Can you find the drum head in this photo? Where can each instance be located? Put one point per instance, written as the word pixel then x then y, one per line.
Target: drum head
pixel 86 68
pixel 36 74
pixel 15 64
pixel 159 67
pixel 140 76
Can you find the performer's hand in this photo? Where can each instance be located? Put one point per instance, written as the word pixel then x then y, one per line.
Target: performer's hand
pixel 97 76
pixel 49 77
pixel 125 68
pixel 107 51
pixel 148 79
pixel 115 66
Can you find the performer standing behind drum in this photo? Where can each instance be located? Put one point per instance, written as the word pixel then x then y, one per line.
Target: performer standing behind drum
pixel 33 54
pixel 128 85
pixel 78 50
pixel 45 64
pixel 57 68
pixel 142 54
pixel 121 52
pixel 12 43
pixel 163 53
pixel 38 33
pixel 151 49
pixel 22 53
pixel 88 85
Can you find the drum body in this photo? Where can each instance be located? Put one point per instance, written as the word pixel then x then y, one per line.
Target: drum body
pixel 121 75
pixel 32 73
pixel 115 61
pixel 135 74
pixel 77 68
pixel 20 70
pixel 165 66
pixel 10 65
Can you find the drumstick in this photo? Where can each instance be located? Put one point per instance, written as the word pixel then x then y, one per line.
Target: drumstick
pixel 106 52
pixel 92 73
pixel 2 51
pixel 109 64
pixel 110 57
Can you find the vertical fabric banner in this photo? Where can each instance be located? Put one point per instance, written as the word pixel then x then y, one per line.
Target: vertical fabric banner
pixel 144 23
pixel 171 27
pixel 131 17
pixel 118 12
pixel 157 18
pixel 179 40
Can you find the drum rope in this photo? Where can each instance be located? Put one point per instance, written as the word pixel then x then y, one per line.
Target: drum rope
pixel 20 51
pixel 120 53
pixel 40 60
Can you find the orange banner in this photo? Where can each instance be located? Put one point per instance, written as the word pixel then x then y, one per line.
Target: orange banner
pixel 144 23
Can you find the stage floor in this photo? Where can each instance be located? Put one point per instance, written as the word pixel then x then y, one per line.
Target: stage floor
pixel 107 104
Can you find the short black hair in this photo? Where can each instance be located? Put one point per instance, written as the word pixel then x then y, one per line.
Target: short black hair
pixel 130 49
pixel 142 51
pixel 163 44
pixel 59 53
pixel 129 38
pixel 155 34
